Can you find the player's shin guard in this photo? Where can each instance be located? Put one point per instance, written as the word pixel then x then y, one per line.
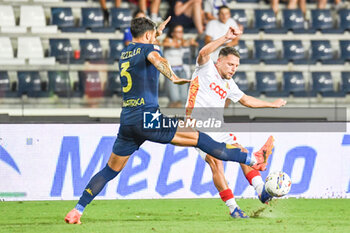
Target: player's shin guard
pixel 223 151
pixel 95 186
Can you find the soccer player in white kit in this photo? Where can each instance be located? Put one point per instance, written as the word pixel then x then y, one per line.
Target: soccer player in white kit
pixel 211 85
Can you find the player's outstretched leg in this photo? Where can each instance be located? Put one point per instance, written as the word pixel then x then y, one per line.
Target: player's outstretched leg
pixel 263 154
pixel 254 178
pixel 93 188
pixel 221 185
pixel 96 184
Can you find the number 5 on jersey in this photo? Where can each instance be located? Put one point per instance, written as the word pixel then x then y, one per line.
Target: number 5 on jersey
pixel 126 74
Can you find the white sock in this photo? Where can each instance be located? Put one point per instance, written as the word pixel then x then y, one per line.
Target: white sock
pixel 258 184
pixel 231 204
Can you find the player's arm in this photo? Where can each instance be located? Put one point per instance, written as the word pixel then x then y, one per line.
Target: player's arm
pixel 252 102
pixel 204 53
pixel 164 67
pixel 161 27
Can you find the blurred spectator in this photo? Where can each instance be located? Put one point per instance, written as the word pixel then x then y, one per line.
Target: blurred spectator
pixel 105 10
pixel 218 27
pixel 339 4
pixel 174 45
pixel 211 8
pixel 127 33
pixel 292 4
pixel 153 6
pixel 188 13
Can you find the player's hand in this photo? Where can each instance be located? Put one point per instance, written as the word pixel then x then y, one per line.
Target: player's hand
pixel 180 81
pixel 162 26
pixel 232 33
pixel 279 103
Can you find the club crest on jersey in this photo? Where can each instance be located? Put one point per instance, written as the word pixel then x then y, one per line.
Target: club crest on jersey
pixel 218 90
pixel 156 47
pixel 227 86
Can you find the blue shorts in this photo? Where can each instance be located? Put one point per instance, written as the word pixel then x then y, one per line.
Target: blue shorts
pixel 131 137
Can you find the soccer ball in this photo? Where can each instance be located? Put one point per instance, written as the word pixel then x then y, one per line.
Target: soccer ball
pixel 278 184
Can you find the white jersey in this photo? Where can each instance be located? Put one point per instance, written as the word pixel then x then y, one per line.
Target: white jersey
pixel 208 92
pixel 207 96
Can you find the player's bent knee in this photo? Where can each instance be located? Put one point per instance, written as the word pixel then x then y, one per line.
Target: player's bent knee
pixel 117 162
pixel 216 165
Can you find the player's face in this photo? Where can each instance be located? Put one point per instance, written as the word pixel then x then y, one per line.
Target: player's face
pixel 227 66
pixel 224 15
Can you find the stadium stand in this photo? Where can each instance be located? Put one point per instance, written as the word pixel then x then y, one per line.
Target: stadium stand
pixel 294 20
pixel 293 50
pixel 6 53
pixel 30 84
pixel 8 21
pixel 113 85
pixel 90 83
pixel 323 84
pixel 121 18
pixel 289 44
pixel 31 48
pixel 266 51
pixel 91 49
pixel 34 18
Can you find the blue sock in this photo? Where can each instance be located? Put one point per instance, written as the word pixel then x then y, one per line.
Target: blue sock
pixel 95 186
pixel 221 151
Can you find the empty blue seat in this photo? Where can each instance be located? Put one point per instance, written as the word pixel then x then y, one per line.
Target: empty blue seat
pixel 242 49
pixel 322 20
pixel 244 53
pixel 241 80
pixel 265 51
pixel 294 83
pixel 62 16
pixel 344 19
pixel 121 18
pixel 113 84
pixel 240 17
pixel 322 83
pixel 115 48
pixel 345 50
pixel 59 83
pixel 64 19
pixel 321 50
pixel 293 50
pixel 91 17
pixel 345 76
pixel 266 20
pixel 90 49
pixel 61 49
pixel 29 82
pixel 294 20
pixel 266 82
pixel 90 83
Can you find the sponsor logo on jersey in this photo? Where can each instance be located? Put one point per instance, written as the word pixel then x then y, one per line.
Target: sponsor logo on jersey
pixel 133 102
pixel 218 90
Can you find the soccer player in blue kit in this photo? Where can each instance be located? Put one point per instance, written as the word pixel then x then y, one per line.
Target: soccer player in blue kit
pixel 140 63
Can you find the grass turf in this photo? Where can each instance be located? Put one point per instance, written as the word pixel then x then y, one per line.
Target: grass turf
pixel 179 215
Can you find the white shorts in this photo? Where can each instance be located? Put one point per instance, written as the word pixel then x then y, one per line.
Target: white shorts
pixel 225 137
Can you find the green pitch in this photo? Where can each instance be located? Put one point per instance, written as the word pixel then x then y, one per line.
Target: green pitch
pixel 187 215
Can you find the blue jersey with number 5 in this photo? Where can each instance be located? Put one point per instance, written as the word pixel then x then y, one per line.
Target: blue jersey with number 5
pixel 139 80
